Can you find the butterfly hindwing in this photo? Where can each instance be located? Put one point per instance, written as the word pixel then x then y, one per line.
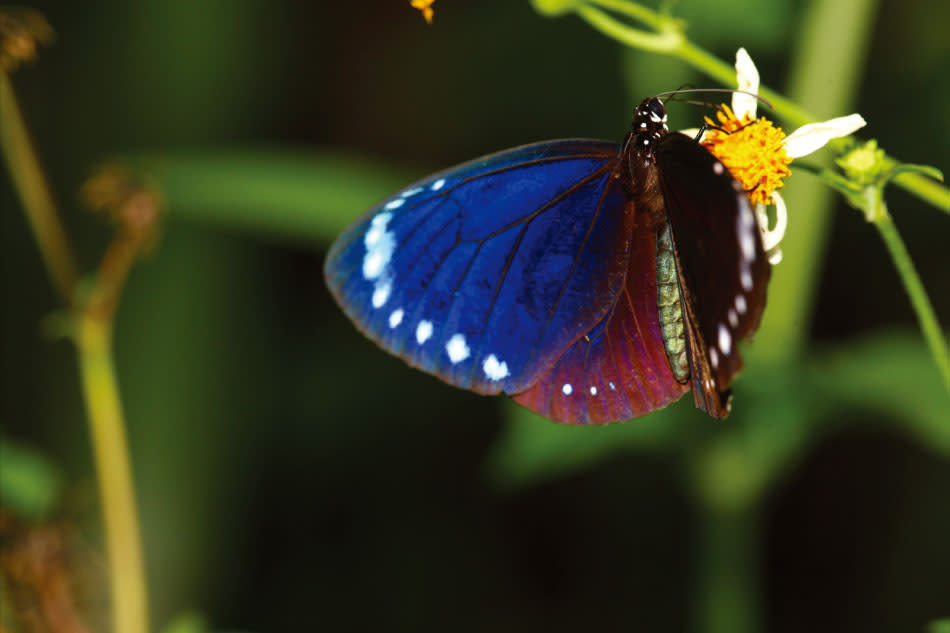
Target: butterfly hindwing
pixel 723 267
pixel 484 274
pixel 619 369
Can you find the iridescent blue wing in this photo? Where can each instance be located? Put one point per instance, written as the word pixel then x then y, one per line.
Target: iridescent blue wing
pixel 619 369
pixel 483 275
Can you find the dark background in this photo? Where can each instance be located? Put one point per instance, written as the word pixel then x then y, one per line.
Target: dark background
pixel 291 475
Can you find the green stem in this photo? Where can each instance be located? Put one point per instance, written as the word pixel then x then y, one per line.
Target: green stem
pixel 706 62
pixel 93 340
pixel 126 563
pixel 728 576
pixel 636 11
pixel 662 42
pixel 915 290
pixel 926 189
pixel 31 185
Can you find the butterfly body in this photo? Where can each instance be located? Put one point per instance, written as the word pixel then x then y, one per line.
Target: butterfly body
pixel 556 273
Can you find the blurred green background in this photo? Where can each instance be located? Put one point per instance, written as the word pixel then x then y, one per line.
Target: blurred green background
pixel 291 474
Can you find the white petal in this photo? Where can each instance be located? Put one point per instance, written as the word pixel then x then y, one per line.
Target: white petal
pixel 813 136
pixel 772 237
pixel 747 76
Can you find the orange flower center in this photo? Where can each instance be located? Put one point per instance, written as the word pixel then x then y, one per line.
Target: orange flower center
pixel 752 150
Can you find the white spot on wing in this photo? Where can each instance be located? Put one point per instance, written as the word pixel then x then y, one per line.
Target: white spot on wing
pixel 394 204
pixel 745 277
pixel 373 263
pixel 423 331
pixel 593 391
pixel 438 184
pixel 733 318
pixel 746 230
pixel 380 245
pixel 410 192
pixel 457 349
pixel 381 293
pixel 740 304
pixel 725 340
pixel 567 389
pixel 718 168
pixel 494 369
pixel 395 318
pixel 613 387
pixel 714 358
pixel 377 227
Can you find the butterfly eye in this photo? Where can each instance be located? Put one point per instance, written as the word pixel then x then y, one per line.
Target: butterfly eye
pixel 656 110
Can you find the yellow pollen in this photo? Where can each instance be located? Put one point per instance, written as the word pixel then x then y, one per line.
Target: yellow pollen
pixel 425 6
pixel 752 150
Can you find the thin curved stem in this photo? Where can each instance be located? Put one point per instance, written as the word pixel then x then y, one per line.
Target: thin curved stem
pixel 30 183
pixel 636 11
pixel 915 291
pixel 661 42
pixel 93 338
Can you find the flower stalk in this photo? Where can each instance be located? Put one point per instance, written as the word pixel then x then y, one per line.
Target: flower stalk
pixel 114 473
pixel 915 289
pixel 29 181
pixel 92 326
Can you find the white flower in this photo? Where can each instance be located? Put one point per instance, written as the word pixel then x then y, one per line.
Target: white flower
pixel 803 141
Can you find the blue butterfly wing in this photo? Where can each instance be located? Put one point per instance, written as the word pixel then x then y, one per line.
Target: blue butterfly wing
pixel 619 369
pixel 485 274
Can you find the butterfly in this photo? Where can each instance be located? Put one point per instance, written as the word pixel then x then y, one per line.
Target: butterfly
pixel 592 282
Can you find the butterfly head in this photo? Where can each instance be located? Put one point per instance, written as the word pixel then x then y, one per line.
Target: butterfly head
pixel 649 126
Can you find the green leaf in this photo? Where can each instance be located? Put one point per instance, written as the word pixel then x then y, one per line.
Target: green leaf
pixel 302 197
pixel 29 483
pixel 892 375
pixel 910 168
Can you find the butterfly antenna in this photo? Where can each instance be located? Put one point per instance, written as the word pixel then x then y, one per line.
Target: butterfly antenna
pixel 672 93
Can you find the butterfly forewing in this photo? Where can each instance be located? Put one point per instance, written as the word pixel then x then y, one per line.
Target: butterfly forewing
pixel 723 268
pixel 484 274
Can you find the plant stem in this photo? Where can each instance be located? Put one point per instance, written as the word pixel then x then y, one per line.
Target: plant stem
pixel 915 290
pixel 660 42
pixel 926 189
pixel 31 185
pixel 728 576
pixel 636 11
pixel 93 336
pixel 126 563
